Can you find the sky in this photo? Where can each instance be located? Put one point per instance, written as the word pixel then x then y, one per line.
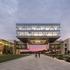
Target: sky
pixel 33 11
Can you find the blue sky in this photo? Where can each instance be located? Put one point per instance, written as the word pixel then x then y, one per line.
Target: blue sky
pixel 33 11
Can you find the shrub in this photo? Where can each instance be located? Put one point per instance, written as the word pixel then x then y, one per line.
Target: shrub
pixel 8 57
pixel 67 58
pixel 60 57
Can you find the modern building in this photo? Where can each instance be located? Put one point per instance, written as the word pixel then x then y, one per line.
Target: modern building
pixel 37 36
pixel 56 47
pixel 6 47
pixel 66 46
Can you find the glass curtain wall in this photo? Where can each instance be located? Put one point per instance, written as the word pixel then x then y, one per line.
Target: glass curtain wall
pixel 38 30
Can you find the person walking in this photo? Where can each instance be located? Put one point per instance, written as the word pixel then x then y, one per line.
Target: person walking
pixel 39 54
pixel 36 55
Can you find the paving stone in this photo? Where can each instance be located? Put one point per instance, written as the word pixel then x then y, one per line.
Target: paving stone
pixel 32 63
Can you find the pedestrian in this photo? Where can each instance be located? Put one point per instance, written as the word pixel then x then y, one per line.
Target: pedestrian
pixel 39 54
pixel 36 55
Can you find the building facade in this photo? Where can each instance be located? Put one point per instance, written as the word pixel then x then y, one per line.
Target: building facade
pixel 6 47
pixel 39 35
pixel 66 46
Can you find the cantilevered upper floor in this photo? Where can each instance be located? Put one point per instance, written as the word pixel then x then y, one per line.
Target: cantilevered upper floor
pixel 37 30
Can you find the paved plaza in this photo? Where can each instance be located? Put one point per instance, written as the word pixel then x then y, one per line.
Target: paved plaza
pixel 32 63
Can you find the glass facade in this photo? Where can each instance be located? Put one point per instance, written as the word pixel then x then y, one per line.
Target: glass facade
pixel 48 30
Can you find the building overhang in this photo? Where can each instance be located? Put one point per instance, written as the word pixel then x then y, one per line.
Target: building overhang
pixel 48 39
pixel 49 32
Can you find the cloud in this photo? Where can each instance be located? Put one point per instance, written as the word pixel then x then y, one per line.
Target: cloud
pixel 8 10
pixel 35 11
pixel 44 11
pixel 38 9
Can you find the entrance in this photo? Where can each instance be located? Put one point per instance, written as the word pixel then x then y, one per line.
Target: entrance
pixel 35 48
pixel 37 45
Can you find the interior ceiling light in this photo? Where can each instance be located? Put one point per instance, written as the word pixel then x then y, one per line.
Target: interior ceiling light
pixel 37 41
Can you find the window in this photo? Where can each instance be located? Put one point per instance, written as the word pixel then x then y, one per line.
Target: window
pixel 55 33
pixel 49 34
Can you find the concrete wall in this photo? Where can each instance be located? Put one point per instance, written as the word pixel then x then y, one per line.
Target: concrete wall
pixel 66 46
pixel 1 49
pixel 69 44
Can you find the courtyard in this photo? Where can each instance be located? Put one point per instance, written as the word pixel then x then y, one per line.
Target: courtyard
pixel 32 63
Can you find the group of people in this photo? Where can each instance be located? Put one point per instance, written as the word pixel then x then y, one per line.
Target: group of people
pixel 37 54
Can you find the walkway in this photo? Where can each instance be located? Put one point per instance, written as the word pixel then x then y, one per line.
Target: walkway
pixel 32 63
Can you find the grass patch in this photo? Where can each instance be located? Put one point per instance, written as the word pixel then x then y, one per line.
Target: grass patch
pixel 4 58
pixel 60 56
pixel 67 58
